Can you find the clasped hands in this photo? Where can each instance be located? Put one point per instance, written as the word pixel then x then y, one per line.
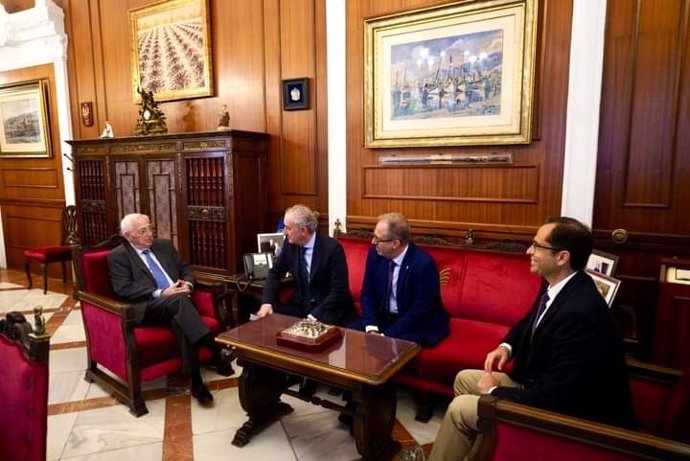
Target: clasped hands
pixel 181 287
pixel 488 381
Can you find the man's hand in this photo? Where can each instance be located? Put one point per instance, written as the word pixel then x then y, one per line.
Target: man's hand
pixel 178 288
pixel 499 354
pixel 264 310
pixel 486 382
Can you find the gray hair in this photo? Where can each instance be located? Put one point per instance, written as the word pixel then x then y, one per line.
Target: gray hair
pixel 398 227
pixel 303 216
pixel 127 223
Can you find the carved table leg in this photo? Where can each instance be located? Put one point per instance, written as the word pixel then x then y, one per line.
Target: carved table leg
pixel 260 389
pixel 373 421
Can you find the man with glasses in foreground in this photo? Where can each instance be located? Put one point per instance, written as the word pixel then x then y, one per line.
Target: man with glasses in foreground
pixel 150 273
pixel 566 353
pixel 401 292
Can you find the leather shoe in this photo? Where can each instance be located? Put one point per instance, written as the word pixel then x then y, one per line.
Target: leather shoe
pixel 223 365
pixel 307 388
pixel 201 393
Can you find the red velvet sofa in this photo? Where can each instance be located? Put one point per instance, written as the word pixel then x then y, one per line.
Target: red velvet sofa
pixel 484 291
pixel 24 387
pixel 121 354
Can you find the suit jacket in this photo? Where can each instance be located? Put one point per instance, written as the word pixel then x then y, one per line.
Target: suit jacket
pixel 421 316
pixel 329 300
pixel 133 281
pixel 574 363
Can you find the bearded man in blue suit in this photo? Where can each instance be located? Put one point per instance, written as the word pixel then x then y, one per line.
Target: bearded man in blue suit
pixel 401 293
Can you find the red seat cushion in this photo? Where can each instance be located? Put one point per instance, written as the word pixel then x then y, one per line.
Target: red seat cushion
pixel 49 254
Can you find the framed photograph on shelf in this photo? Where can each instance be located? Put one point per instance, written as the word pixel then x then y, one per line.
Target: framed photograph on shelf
pixel 270 243
pixel 296 94
pixel 171 50
pixel 24 123
pixel 604 263
pixel 459 74
pixel 607 286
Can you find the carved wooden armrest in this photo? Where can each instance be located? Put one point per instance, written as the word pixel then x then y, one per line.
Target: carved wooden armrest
pixel 119 308
pixel 552 426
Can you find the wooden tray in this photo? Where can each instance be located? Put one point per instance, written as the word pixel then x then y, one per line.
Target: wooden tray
pixel 308 344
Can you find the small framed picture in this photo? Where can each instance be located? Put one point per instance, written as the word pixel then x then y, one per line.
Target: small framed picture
pixel 296 94
pixel 604 263
pixel 270 243
pixel 607 286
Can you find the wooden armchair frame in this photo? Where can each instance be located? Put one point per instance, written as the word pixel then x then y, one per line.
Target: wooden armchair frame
pixel 600 441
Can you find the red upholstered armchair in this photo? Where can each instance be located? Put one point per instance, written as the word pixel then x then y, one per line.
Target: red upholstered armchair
pixel 122 355
pixel 56 253
pixel 24 389
pixel 661 398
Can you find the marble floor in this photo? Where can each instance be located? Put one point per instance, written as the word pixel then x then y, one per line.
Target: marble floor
pixel 87 424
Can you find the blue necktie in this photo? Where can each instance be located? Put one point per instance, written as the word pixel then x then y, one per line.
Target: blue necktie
pixel 156 270
pixel 304 274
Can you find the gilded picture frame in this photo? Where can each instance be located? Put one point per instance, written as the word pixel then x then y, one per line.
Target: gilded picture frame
pixel 24 122
pixel 171 50
pixel 459 74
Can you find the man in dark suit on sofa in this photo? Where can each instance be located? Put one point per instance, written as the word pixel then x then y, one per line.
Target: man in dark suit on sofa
pixel 401 293
pixel 318 265
pixel 567 355
pixel 150 273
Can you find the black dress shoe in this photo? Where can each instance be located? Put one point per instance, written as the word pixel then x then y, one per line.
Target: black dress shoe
pixel 223 365
pixel 307 388
pixel 201 393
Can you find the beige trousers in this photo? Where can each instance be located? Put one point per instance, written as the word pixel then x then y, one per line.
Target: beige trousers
pixel 458 430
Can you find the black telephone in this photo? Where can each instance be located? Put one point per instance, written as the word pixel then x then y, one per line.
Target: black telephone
pixel 256 265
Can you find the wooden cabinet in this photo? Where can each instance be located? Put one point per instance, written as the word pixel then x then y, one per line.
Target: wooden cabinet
pixel 672 342
pixel 205 191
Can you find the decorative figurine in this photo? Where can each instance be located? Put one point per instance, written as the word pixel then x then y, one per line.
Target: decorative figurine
pixel 107 131
pixel 151 118
pixel 224 122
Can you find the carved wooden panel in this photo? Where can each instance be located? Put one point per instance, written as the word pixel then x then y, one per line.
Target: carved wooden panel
pixel 91 177
pixel 127 187
pixel 161 187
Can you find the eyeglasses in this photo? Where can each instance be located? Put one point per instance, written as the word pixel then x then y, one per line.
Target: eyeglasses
pixel 545 247
pixel 144 230
pixel 375 240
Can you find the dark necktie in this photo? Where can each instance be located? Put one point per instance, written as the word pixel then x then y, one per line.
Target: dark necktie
pixel 389 284
pixel 304 274
pixel 540 310
pixel 161 280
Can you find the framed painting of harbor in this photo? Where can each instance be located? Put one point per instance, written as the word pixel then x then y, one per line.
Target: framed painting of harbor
pixel 459 74
pixel 24 128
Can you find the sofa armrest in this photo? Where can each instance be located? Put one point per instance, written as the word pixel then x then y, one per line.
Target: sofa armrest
pixel 519 432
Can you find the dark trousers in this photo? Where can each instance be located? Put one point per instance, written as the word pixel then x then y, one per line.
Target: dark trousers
pixel 179 313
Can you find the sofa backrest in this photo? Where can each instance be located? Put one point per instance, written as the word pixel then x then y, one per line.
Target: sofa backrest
pixel 356 250
pixel 490 286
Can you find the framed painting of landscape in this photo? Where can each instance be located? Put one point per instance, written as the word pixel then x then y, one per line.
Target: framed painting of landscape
pixel 171 51
pixel 24 127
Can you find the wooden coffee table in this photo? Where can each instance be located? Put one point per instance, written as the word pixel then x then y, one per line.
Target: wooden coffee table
pixel 359 363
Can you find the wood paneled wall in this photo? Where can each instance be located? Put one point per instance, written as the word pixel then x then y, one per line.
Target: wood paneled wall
pixel 255 45
pixel 32 193
pixel 496 201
